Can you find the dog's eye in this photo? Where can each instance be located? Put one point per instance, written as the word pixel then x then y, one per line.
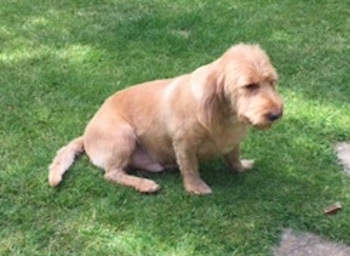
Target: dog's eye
pixel 252 86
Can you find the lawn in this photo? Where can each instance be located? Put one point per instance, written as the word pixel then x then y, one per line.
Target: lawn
pixel 60 59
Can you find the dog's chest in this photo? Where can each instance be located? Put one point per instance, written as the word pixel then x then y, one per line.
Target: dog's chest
pixel 222 141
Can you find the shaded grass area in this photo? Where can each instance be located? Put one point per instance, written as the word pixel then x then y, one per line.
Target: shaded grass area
pixel 60 60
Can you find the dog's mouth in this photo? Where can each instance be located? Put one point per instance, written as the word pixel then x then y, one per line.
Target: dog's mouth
pixel 262 124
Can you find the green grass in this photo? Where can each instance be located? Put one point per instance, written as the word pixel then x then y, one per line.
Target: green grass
pixel 60 59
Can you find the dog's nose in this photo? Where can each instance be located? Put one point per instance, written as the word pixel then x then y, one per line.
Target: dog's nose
pixel 273 116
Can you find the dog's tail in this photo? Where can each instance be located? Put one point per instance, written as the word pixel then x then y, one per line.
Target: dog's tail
pixel 64 159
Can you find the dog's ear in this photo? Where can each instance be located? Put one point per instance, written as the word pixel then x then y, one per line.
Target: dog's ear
pixel 212 100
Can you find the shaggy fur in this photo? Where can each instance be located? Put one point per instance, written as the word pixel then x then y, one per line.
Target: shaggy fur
pixel 180 121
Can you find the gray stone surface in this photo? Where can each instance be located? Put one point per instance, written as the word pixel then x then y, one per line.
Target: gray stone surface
pixel 343 152
pixel 306 244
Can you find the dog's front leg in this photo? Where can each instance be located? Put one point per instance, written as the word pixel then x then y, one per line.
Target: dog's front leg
pixel 235 163
pixel 188 164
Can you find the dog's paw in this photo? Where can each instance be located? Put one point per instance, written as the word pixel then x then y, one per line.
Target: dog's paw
pixel 243 165
pixel 247 164
pixel 148 186
pixel 198 187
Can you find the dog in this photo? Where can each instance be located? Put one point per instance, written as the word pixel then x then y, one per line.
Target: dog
pixel 178 122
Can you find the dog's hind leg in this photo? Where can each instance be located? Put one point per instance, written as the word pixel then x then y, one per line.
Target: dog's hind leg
pixel 112 150
pixel 118 163
pixel 142 185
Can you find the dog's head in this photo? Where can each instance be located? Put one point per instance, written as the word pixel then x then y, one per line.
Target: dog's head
pixel 243 83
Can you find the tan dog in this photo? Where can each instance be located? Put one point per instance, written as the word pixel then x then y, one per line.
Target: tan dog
pixel 180 121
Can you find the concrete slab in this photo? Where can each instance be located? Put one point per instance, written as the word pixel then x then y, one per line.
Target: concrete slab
pixel 306 244
pixel 343 152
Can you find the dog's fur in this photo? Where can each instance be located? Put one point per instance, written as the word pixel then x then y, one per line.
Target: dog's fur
pixel 180 121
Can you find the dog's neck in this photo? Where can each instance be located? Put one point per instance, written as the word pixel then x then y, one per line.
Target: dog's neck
pixel 198 81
